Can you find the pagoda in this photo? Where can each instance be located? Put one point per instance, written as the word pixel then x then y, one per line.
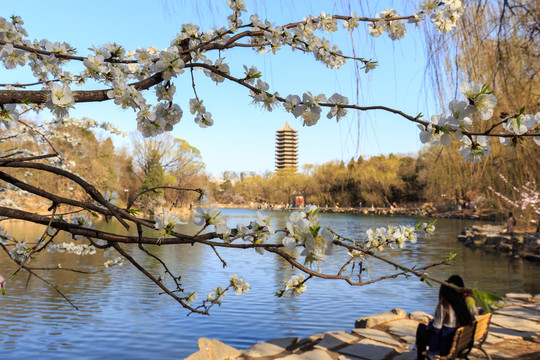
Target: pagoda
pixel 286 148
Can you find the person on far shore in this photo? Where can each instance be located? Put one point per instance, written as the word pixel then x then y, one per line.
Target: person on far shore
pixel 510 222
pixel 451 313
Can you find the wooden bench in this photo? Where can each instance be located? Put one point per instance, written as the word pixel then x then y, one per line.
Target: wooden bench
pixel 466 338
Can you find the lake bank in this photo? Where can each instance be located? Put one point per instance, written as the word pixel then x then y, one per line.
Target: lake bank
pixel 493 238
pixel 514 333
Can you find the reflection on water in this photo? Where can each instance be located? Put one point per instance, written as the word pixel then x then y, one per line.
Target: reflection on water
pixel 122 316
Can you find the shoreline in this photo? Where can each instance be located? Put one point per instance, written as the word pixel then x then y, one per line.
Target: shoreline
pixel 426 210
pixel 514 333
pixel 429 211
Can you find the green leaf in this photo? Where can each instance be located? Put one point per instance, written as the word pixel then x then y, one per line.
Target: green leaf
pixel 522 110
pixel 3 292
pixel 451 257
pixel 488 301
pixel 94 214
pixel 424 278
pixel 134 211
pixel 315 230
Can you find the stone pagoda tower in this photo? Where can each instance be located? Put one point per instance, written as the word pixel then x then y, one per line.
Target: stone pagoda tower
pixel 286 148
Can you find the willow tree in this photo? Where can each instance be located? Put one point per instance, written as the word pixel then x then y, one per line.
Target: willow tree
pixel 495 43
pixel 124 77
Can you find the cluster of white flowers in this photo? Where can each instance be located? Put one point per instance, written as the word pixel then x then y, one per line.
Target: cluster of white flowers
pixel 9 203
pixel 165 224
pixel 396 29
pixel 237 6
pixel 217 295
pixel 239 285
pixel 261 230
pixel 72 248
pixel 84 123
pixel 81 220
pixel 337 110
pixel 111 197
pixel 9 115
pixel 295 285
pixel 251 74
pixel 192 297
pixel 15 190
pixel 20 252
pixel 62 163
pixel 60 100
pixel 443 14
pixel 202 117
pixel 479 105
pixel 112 65
pixel 520 125
pixel 303 229
pixel 393 236
pixel 211 216
pixel 308 108
pixel 220 66
pixel 267 101
pixel 119 261
pixel 4 237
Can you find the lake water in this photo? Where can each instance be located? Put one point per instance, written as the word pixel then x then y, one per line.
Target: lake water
pixel 122 316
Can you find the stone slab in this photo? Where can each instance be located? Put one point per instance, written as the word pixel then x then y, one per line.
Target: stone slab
pixel 378 335
pixel 348 357
pixel 493 338
pixel 404 327
pixel 509 333
pixel 420 316
pixel 316 354
pixel 311 339
pixel 521 297
pixel 210 349
pixel 368 349
pixel 270 348
pixel 410 355
pixel 522 312
pixel 377 319
pixel 514 323
pixel 409 339
pixel 533 306
pixel 333 339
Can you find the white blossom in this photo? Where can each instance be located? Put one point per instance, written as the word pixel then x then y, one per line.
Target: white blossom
pixel 295 285
pixel 476 151
pixel 240 286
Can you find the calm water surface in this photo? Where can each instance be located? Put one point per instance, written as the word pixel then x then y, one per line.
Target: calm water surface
pixel 121 315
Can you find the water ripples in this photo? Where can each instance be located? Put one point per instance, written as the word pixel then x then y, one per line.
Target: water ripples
pixel 122 316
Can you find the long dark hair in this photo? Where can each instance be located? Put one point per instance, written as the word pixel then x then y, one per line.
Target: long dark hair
pixel 449 296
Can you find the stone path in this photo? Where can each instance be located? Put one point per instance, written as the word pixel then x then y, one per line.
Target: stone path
pixel 514 333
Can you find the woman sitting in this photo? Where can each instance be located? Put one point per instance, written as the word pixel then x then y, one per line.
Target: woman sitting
pixel 450 314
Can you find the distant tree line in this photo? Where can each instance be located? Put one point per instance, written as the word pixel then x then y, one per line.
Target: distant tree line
pixel 142 165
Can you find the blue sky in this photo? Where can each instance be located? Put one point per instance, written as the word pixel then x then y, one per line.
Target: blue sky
pixel 243 137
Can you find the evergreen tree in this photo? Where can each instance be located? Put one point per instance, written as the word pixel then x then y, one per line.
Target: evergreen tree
pixel 154 177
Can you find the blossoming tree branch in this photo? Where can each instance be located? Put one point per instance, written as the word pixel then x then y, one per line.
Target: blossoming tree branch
pixel 134 79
